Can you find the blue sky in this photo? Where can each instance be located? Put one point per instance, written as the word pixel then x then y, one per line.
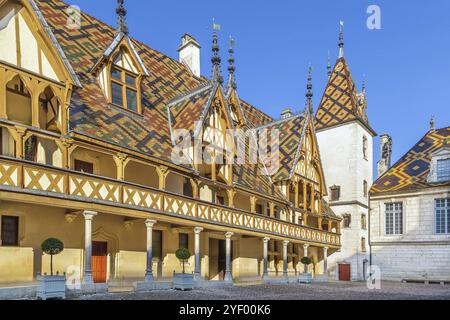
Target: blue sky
pixel 406 63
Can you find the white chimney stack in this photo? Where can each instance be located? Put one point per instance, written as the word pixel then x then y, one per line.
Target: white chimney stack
pixel 190 53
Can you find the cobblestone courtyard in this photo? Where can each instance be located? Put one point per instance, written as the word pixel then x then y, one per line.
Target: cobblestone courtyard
pixel 329 291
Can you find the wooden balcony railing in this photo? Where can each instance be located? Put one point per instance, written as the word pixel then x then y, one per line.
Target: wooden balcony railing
pixel 23 176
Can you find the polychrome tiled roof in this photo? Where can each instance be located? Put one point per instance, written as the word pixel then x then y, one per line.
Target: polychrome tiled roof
pixel 412 170
pixel 172 98
pixel 340 103
pixel 291 132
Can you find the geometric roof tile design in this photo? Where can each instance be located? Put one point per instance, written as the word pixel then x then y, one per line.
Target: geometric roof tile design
pixel 412 170
pixel 172 98
pixel 291 133
pixel 340 103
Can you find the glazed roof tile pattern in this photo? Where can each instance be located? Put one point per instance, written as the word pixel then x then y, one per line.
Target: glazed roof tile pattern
pixel 255 118
pixel 187 110
pixel 291 133
pixel 90 113
pixel 172 98
pixel 412 170
pixel 340 103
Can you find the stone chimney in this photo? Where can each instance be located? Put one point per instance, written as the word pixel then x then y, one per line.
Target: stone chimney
pixel 287 113
pixel 189 52
pixel 386 154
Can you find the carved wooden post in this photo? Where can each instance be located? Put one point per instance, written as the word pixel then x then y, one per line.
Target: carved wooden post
pixel 163 172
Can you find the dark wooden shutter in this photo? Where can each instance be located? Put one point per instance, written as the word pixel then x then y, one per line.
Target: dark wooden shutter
pixel 10 231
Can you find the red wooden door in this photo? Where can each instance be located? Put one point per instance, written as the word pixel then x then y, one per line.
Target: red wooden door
pixel 99 261
pixel 344 272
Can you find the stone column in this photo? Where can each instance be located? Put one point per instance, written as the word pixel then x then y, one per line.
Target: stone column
pixel 325 261
pixel 197 272
pixel 149 272
pixel 88 217
pixel 228 275
pixel 285 259
pixel 305 254
pixel 266 257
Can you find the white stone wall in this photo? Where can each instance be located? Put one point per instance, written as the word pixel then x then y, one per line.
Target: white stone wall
pixel 419 253
pixel 341 150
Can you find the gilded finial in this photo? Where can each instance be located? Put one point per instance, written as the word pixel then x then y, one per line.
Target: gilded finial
pixel 121 17
pixel 432 123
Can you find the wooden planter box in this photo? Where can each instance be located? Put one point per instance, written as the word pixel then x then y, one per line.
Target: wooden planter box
pixel 183 281
pixel 51 287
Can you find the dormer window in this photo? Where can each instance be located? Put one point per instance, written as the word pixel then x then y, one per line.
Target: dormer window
pixel 443 170
pixel 125 83
pixel 440 166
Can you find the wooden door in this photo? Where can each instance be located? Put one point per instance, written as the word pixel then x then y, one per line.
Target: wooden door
pixel 222 259
pixel 99 261
pixel 344 272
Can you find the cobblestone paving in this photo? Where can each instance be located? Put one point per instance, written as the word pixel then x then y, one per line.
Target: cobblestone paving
pixel 329 291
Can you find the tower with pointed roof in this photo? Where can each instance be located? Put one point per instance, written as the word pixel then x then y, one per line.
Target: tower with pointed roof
pixel 346 144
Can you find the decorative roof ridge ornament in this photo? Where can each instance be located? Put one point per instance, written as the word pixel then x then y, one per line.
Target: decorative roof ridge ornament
pixel 232 85
pixel 433 123
pixel 309 91
pixel 121 18
pixel 329 68
pixel 341 40
pixel 215 59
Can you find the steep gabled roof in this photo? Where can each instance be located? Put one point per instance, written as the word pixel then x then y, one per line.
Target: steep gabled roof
pixel 412 170
pixel 291 132
pixel 254 117
pixel 90 113
pixel 340 103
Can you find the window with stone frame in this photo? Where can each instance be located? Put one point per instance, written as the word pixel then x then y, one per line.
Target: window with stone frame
pixel 443 170
pixel 183 241
pixel 347 220
pixel 365 148
pixel 363 245
pixel 335 193
pixel 10 231
pixel 394 218
pixel 363 222
pixel 365 189
pixel 442 216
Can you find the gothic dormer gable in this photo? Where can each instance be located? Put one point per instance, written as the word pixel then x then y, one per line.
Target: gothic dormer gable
pixel 27 43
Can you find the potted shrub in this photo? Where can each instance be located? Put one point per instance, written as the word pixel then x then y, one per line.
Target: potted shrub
pixel 183 281
pixel 305 277
pixel 51 286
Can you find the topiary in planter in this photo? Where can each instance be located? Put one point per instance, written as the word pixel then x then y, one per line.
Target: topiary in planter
pixel 183 255
pixel 306 261
pixel 52 247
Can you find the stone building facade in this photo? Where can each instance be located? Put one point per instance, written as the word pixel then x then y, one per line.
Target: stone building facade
pixel 410 213
pixel 346 146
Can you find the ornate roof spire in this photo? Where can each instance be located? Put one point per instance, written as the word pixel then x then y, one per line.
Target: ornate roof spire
pixel 432 123
pixel 309 92
pixel 231 67
pixel 329 71
pixel 364 85
pixel 215 59
pixel 341 40
pixel 121 17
